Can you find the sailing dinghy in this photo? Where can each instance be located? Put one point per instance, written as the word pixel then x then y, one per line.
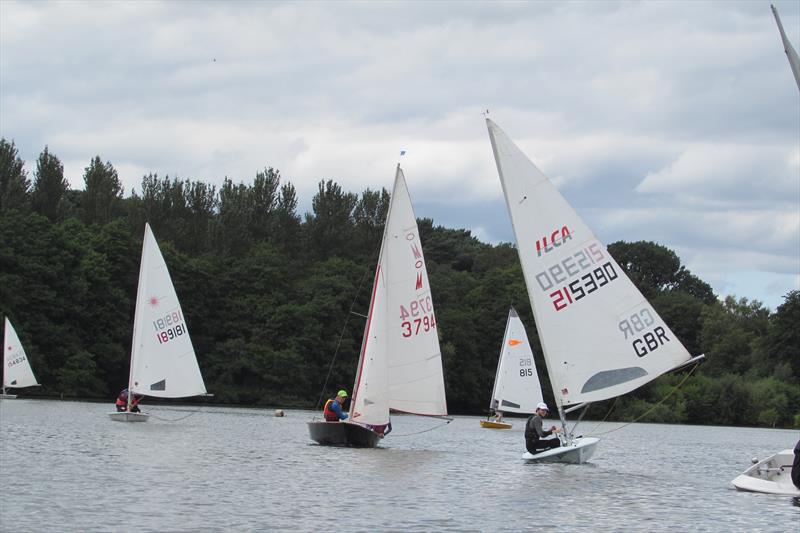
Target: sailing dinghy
pixel 599 335
pixel 163 362
pixel 17 370
pixel 400 365
pixel 772 475
pixel 516 383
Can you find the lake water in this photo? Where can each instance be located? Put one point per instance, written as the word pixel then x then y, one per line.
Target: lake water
pixel 65 466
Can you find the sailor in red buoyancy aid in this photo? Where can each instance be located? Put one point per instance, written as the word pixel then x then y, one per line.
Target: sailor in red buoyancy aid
pixel 122 402
pixel 333 408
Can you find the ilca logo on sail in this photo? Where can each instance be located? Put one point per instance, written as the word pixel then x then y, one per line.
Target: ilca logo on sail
pixel 557 238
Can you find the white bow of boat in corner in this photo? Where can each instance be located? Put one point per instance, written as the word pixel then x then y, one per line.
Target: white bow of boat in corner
pixel 163 362
pixel 772 475
pixel 600 337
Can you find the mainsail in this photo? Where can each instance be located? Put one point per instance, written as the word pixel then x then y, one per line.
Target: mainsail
pixel 791 54
pixel 163 361
pixel 400 366
pixel 17 370
pixel 600 336
pixel 516 383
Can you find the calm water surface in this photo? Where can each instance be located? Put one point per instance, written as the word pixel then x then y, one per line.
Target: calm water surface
pixel 66 467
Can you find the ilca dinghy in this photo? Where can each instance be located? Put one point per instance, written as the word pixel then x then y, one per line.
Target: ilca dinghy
pixel 163 362
pixel 400 365
pixel 599 335
pixel 17 372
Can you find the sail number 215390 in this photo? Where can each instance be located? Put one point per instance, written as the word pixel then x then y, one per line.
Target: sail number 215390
pixel 417 317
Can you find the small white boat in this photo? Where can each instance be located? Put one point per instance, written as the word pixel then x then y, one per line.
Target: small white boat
pixel 772 475
pixel 400 366
pixel 163 362
pixel 17 370
pixel 516 382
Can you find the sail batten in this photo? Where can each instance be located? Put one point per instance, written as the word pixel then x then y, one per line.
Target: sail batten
pixel 599 335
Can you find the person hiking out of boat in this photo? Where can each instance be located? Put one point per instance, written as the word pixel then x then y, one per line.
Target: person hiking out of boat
pixel 535 434
pixel 382 430
pixel 796 466
pixel 498 416
pixel 122 402
pixel 333 408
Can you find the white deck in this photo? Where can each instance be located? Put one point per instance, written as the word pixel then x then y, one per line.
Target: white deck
pixel 128 417
pixel 577 452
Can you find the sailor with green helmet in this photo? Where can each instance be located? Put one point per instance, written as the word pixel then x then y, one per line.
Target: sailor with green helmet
pixel 333 408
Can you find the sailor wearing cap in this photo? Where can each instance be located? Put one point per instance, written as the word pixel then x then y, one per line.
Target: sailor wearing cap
pixel 535 440
pixel 333 407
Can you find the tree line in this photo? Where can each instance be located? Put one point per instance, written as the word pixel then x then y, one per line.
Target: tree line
pixel 268 292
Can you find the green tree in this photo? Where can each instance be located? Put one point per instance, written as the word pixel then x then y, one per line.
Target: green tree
pixel 654 268
pixel 103 192
pixel 783 335
pixel 330 226
pixel 49 185
pixel 14 182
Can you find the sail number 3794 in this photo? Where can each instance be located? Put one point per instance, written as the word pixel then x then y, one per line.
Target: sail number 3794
pixel 417 317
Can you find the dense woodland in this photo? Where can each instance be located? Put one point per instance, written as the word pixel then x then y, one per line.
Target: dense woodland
pixel 267 292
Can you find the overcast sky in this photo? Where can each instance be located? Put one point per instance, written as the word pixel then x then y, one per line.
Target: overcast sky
pixel 675 122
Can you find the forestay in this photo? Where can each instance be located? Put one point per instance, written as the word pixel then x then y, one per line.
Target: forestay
pixel 401 364
pixel 163 361
pixel 17 370
pixel 600 337
pixel 516 383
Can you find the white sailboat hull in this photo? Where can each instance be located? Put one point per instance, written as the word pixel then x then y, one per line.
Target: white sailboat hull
pixel 772 475
pixel 577 452
pixel 128 417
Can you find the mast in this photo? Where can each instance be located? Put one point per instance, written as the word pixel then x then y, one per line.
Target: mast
pixel 139 289
pixel 365 338
pixel 528 283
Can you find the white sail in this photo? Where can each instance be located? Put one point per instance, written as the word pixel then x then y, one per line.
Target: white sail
pixel 163 361
pixel 599 335
pixel 516 384
pixel 17 370
pixel 401 362
pixel 791 54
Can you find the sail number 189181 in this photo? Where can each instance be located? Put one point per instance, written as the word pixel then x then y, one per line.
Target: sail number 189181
pixel 417 317
pixel 169 327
